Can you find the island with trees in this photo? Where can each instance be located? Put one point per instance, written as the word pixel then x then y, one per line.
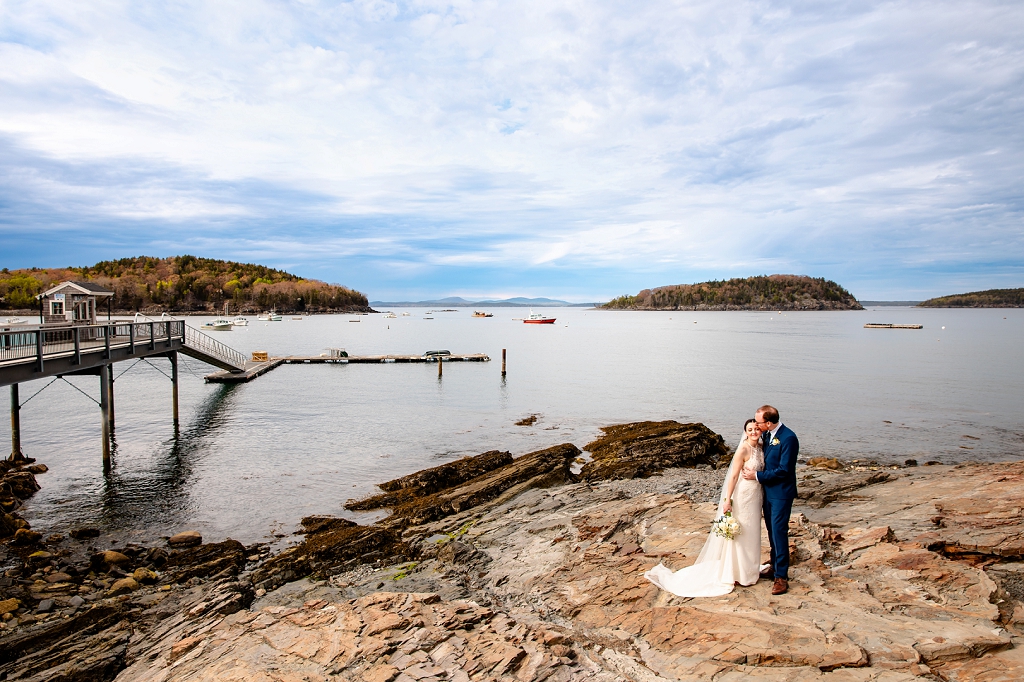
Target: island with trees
pixel 185 284
pixel 763 292
pixel 991 298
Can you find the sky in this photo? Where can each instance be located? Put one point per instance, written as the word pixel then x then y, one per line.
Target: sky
pixel 576 150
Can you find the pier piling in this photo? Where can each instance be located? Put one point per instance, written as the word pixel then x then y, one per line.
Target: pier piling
pixel 174 387
pixel 105 413
pixel 502 362
pixel 110 397
pixel 439 372
pixel 16 453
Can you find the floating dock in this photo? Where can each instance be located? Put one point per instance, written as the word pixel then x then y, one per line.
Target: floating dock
pixel 255 369
pixel 893 326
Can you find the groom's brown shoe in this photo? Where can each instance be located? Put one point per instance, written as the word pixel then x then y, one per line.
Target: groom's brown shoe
pixel 781 586
pixel 768 573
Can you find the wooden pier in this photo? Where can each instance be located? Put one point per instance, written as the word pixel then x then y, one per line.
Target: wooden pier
pixel 255 369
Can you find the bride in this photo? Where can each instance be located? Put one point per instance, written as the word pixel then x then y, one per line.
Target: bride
pixel 724 563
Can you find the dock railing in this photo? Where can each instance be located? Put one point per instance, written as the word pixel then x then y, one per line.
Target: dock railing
pixel 39 342
pixel 204 345
pixel 208 345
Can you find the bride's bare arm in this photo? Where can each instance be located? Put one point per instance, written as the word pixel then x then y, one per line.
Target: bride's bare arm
pixel 738 460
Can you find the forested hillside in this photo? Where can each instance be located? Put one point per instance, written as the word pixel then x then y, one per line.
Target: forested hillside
pixel 185 283
pixel 991 298
pixel 764 292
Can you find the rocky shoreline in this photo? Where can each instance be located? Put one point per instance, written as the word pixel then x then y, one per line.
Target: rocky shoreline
pixel 496 567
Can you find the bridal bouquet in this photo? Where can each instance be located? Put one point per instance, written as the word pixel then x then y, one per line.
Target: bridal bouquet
pixel 725 526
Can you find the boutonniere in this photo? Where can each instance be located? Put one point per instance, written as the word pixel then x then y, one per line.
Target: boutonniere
pixel 775 441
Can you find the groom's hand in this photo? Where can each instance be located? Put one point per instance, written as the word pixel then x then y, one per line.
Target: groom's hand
pixel 749 475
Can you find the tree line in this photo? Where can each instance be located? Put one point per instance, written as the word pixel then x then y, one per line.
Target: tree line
pixel 991 298
pixel 184 284
pixel 763 292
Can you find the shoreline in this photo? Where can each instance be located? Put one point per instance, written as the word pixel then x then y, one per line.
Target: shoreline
pixel 490 569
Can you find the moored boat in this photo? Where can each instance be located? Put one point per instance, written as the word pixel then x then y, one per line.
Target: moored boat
pixel 480 313
pixel 537 318
pixel 219 325
pixel 240 322
pixel 272 316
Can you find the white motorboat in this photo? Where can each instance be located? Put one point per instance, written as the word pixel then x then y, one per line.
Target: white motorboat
pixel 240 322
pixel 391 316
pixel 219 325
pixel 269 317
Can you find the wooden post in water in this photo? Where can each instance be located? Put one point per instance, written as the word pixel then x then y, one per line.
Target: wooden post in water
pixel 110 397
pixel 174 388
pixel 439 367
pixel 16 453
pixel 105 413
pixel 502 362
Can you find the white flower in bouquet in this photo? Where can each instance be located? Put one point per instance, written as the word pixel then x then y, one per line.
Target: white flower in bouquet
pixel 725 526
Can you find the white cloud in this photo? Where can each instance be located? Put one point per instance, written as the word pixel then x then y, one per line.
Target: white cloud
pixel 658 135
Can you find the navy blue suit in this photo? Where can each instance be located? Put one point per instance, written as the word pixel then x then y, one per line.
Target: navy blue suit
pixel 779 483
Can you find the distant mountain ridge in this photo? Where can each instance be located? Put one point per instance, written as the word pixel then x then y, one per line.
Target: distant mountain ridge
pixel 459 302
pixel 763 292
pixel 990 298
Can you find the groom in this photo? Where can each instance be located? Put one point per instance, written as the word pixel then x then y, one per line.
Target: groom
pixel 779 482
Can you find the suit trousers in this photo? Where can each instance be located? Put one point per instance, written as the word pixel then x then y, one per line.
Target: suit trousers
pixel 776 520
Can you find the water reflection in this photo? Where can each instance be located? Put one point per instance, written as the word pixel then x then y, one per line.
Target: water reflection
pixel 162 492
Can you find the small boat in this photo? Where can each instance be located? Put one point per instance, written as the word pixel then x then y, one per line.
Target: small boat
pixel 240 322
pixel 297 317
pixel 480 313
pixel 875 325
pixel 537 318
pixel 219 325
pixel 428 318
pixel 405 314
pixel 391 316
pixel 270 317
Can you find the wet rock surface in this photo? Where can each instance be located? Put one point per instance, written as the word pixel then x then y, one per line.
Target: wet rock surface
pixel 641 449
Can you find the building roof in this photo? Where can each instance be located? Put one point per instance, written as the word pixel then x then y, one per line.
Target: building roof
pixel 83 287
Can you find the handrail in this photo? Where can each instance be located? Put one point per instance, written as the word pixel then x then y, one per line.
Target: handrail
pixel 202 342
pixel 38 343
pixel 41 342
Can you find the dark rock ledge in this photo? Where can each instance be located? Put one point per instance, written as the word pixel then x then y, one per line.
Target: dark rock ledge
pixel 497 570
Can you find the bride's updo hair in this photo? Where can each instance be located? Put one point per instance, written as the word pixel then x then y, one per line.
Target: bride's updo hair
pixel 748 423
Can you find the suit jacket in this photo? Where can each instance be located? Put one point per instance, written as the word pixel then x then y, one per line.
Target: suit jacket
pixel 779 476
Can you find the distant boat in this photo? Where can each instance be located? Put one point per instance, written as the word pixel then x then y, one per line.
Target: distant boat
pixel 391 316
pixel 428 318
pixel 875 325
pixel 480 313
pixel 537 318
pixel 219 325
pixel 297 317
pixel 240 322
pixel 405 314
pixel 270 317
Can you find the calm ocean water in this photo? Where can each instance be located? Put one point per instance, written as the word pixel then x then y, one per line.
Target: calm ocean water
pixel 251 460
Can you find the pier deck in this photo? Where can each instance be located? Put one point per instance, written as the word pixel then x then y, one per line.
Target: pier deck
pixel 255 369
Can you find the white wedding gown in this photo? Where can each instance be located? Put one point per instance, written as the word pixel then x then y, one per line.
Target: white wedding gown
pixel 722 562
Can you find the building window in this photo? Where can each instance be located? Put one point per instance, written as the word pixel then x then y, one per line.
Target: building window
pixel 56 307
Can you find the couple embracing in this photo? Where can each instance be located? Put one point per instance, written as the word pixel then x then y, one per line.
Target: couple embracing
pixel 761 483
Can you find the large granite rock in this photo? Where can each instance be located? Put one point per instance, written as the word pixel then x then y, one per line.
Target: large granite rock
pixel 433 480
pixel 644 448
pixel 543 468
